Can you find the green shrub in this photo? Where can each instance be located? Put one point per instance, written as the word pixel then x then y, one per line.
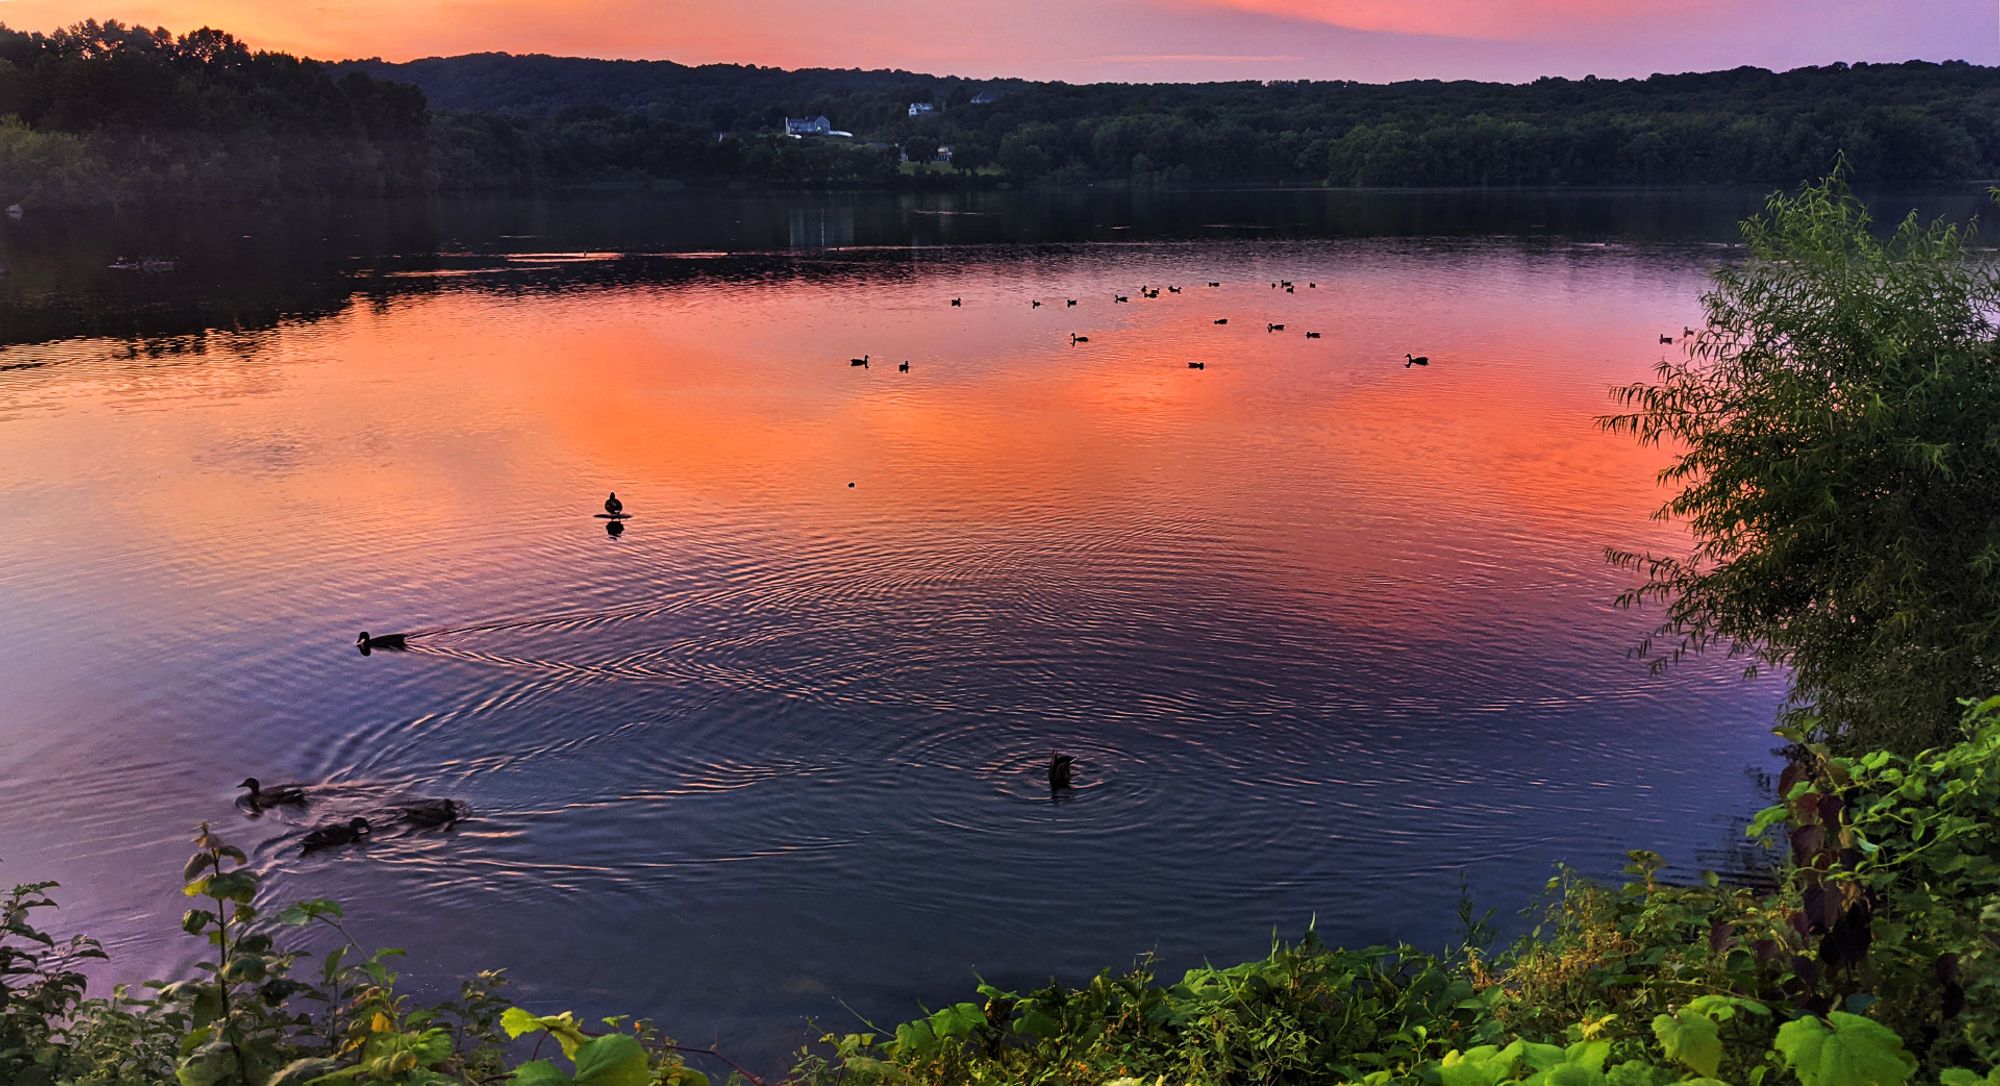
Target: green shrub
pixel 1837 434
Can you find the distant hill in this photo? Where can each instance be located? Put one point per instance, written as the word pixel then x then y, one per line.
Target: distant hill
pixel 104 113
pixel 725 95
pixel 1894 122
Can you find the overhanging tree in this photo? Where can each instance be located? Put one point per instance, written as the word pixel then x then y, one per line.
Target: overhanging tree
pixel 1836 429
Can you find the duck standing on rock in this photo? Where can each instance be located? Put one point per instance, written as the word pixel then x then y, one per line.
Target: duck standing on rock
pixel 334 834
pixel 263 799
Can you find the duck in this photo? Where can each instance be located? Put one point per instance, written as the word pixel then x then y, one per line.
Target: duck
pixel 904 368
pixel 334 834
pixel 1120 298
pixel 613 506
pixel 1274 328
pixel 1034 303
pixel 430 813
pixel 1173 290
pixel 1197 365
pixel 1059 771
pixel 1075 339
pixel 1420 360
pixel 1686 331
pixel 862 361
pixel 1666 339
pixel 1222 320
pixel 1214 283
pixel 263 799
pixel 957 302
pixel 1312 335
pixel 387 642
pixel 1070 302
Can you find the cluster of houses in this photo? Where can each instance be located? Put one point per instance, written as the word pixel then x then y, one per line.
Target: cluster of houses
pixel 801 127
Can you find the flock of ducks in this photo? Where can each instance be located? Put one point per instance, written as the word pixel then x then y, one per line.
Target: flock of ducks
pixel 423 814
pixel 1076 340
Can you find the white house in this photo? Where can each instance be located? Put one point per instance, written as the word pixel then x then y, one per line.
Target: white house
pixel 808 126
pixel 918 109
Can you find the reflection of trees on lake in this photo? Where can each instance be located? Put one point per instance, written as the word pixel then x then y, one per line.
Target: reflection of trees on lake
pixel 822 227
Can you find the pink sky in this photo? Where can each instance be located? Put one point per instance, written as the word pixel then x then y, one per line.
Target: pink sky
pixel 1083 40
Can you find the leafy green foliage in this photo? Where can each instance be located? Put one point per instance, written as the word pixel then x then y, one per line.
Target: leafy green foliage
pixel 1844 1050
pixel 1838 434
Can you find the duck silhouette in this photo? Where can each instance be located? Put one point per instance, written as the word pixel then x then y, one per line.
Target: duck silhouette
pixel 263 799
pixel 1420 360
pixel 613 506
pixel 1060 766
pixel 431 814
pixel 385 642
pixel 335 834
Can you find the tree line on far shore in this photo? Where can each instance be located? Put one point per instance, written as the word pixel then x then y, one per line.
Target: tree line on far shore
pixel 104 113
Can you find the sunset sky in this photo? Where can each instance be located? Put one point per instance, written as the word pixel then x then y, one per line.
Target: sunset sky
pixel 1084 40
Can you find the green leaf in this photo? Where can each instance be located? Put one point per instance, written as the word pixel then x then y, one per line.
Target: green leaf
pixel 957 1020
pixel 1844 1050
pixel 207 1065
pixel 562 1027
pixel 1482 1066
pixel 613 1060
pixel 1036 1025
pixel 539 1073
pixel 914 1038
pixel 1691 1040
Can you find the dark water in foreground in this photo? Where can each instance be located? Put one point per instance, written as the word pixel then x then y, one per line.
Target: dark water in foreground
pixel 1326 634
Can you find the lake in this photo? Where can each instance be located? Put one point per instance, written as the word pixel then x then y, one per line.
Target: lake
pixel 1329 636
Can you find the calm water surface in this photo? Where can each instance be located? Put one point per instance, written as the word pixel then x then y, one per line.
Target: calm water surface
pixel 1326 634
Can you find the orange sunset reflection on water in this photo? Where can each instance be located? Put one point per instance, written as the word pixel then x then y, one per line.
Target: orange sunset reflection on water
pixel 1331 626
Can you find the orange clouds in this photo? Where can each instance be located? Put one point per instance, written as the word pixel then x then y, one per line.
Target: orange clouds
pixel 1545 20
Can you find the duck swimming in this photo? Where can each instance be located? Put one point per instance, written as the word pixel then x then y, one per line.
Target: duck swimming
pixel 386 642
pixel 613 506
pixel 334 834
pixel 263 799
pixel 1059 770
pixel 431 813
